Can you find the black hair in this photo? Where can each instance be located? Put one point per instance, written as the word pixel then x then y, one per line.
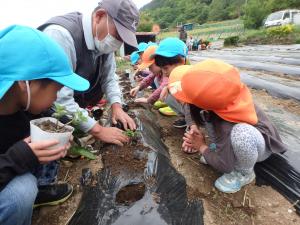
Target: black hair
pixel 165 61
pixel 195 113
pixel 200 120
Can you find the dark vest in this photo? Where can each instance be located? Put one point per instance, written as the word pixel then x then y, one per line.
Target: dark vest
pixel 86 66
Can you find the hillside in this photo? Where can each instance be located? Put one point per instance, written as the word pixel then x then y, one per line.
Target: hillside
pixel 168 13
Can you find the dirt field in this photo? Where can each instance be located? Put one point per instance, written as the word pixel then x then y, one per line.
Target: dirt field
pixel 252 205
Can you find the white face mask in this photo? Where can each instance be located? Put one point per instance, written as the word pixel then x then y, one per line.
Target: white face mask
pixel 28 96
pixel 109 44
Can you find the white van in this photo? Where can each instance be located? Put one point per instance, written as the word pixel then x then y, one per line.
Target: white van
pixel 289 16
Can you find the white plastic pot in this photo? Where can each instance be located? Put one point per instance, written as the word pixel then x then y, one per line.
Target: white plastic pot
pixel 37 134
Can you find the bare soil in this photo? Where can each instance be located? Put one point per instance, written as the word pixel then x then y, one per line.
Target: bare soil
pixel 130 194
pixel 128 158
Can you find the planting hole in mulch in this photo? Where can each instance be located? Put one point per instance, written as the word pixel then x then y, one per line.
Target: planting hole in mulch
pixel 130 194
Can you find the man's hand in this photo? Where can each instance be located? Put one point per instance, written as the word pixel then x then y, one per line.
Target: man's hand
pixel 134 91
pixel 111 135
pixel 119 115
pixel 164 93
pixel 44 154
pixel 141 100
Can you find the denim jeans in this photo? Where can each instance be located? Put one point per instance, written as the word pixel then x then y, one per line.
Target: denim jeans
pixel 47 173
pixel 17 199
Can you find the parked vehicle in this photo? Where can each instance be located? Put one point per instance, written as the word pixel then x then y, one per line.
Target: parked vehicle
pixel 289 16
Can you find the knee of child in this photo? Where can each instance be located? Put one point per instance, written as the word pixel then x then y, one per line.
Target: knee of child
pixel 242 136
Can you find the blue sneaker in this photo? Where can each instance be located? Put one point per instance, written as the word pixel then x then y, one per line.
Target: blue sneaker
pixel 233 182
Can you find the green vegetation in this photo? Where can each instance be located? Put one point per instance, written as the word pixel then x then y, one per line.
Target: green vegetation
pixel 146 23
pixel 167 13
pixel 170 13
pixel 77 150
pixel 130 133
pixel 122 64
pixel 276 35
pixel 231 41
pixel 77 117
pixel 211 31
pixel 61 111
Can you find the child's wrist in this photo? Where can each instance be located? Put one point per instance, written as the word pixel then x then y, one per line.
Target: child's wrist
pixel 203 148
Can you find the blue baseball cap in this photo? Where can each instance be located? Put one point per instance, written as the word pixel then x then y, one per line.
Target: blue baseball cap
pixel 134 57
pixel 171 47
pixel 28 54
pixel 142 47
pixel 150 43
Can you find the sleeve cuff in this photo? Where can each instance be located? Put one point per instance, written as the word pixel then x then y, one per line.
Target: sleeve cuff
pixel 87 125
pixel 115 99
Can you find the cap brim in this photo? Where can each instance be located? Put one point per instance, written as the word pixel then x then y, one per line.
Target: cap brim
pixel 73 81
pixel 127 35
pixel 165 54
pixel 145 65
pixel 4 87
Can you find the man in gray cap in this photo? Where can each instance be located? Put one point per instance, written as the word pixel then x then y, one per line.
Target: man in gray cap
pixel 90 41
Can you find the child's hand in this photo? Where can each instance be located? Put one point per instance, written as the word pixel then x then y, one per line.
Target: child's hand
pixel 164 93
pixel 134 91
pixel 40 149
pixel 138 78
pixel 141 100
pixel 195 140
pixel 194 129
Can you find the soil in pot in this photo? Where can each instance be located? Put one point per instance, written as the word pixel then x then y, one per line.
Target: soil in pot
pixel 51 127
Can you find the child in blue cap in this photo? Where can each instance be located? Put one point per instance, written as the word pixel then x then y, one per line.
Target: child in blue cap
pixel 33 69
pixel 134 59
pixel 170 54
pixel 141 74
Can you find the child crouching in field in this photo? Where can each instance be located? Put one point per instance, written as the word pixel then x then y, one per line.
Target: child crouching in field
pixel 239 131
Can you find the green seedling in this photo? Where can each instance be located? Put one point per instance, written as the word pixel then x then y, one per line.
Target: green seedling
pixel 133 135
pixel 130 133
pixel 76 118
pixel 76 150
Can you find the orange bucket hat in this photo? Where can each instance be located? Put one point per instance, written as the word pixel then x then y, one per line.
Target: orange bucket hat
pixel 147 57
pixel 216 86
pixel 174 84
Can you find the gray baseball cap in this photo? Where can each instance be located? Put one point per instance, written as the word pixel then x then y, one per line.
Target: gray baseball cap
pixel 126 18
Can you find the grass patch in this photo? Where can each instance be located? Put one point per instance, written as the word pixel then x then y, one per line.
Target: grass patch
pixel 231 41
pixel 121 65
pixel 276 35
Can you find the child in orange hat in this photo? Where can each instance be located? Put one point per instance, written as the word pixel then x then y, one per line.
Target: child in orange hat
pixel 155 74
pixel 239 131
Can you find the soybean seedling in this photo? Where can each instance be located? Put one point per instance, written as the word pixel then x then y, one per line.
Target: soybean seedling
pixel 76 118
pixel 133 135
pixel 130 133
